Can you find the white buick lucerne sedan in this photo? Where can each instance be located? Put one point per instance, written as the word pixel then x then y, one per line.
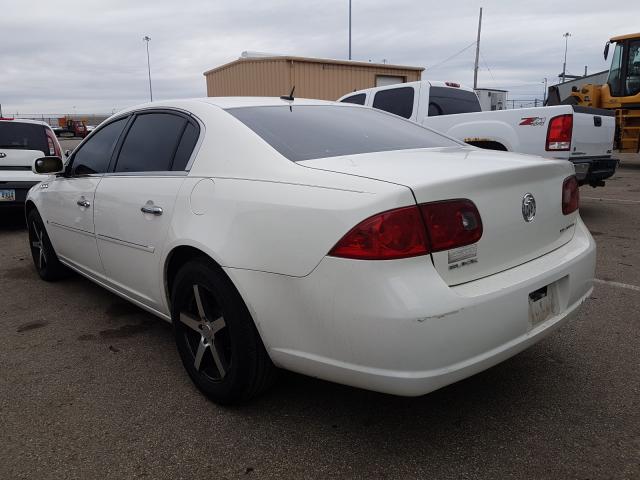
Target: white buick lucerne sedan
pixel 329 239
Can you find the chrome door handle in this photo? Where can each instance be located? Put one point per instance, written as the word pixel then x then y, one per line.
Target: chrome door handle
pixel 83 203
pixel 151 209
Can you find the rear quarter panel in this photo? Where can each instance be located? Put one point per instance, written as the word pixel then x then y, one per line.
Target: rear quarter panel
pixel 521 130
pixel 276 227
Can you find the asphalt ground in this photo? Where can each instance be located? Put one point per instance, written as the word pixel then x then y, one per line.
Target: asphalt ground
pixel 92 387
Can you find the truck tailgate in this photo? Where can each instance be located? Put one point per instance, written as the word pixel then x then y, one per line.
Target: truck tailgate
pixel 593 131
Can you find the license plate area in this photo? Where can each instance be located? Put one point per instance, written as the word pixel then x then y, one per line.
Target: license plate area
pixel 543 304
pixel 7 195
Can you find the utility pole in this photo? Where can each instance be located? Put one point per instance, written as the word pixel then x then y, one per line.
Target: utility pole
pixel 564 64
pixel 544 94
pixel 475 69
pixel 147 39
pixel 349 29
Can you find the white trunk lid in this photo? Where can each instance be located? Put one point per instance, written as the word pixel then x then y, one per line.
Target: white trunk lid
pixel 496 182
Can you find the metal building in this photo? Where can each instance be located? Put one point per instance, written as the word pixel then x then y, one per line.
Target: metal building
pixel 321 78
pixel 492 99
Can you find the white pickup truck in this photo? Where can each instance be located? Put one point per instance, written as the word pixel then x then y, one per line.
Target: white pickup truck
pixel 579 134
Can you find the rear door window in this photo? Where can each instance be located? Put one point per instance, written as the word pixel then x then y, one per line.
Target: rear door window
pixel 151 143
pixel 447 101
pixel 398 101
pixel 23 136
pixel 356 99
pixel 185 147
pixel 94 155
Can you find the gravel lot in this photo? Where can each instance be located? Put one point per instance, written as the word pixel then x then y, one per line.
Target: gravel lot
pixel 92 387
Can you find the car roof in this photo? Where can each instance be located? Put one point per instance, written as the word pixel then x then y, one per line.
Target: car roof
pixel 226 102
pixel 23 120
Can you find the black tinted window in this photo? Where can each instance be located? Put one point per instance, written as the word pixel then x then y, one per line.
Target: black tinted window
pixel 446 101
pixel 317 131
pixel 150 143
pixel 395 100
pixel 357 99
pixel 94 155
pixel 185 147
pixel 23 136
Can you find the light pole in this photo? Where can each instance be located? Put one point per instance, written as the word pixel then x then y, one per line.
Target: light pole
pixel 564 64
pixel 349 29
pixel 147 39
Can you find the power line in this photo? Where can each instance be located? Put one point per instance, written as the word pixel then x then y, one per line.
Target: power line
pixel 487 65
pixel 452 56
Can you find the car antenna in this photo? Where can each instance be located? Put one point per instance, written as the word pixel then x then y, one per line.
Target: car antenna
pixel 290 96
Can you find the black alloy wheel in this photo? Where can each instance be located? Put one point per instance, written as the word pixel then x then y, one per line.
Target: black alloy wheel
pixel 215 335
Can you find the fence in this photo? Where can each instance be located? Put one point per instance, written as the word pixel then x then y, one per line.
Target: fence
pixel 52 118
pixel 528 103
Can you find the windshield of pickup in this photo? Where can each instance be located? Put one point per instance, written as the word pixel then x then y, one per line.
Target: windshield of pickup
pixel 447 101
pixel 306 132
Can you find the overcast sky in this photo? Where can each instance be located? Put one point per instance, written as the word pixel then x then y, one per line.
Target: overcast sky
pixel 89 56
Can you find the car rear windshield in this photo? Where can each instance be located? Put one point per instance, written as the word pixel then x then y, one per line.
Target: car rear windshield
pixel 306 132
pixel 23 136
pixel 447 101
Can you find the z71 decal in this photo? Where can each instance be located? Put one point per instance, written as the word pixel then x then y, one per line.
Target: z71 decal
pixel 533 121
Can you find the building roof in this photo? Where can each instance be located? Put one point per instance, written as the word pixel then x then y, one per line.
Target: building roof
pixel 313 60
pixel 624 37
pixel 492 89
pixel 582 79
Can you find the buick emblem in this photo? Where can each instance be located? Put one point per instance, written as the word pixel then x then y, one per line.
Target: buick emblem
pixel 528 207
pixel 2 154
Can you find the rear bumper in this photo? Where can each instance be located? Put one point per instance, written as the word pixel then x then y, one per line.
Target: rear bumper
pixel 594 169
pixel 396 327
pixel 21 189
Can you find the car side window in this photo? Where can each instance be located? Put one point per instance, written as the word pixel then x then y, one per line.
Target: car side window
pixel 185 147
pixel 94 155
pixel 398 101
pixel 151 143
pixel 358 99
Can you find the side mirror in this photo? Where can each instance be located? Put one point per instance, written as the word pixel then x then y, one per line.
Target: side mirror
pixel 606 50
pixel 47 165
pixel 67 153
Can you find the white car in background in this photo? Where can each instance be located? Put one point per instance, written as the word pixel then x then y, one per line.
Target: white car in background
pixel 21 142
pixel 333 240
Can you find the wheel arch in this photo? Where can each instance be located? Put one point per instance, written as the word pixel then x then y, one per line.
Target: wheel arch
pixel 175 259
pixel 181 254
pixel 488 145
pixel 28 207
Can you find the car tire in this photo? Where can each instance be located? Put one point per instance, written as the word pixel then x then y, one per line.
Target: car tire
pixel 44 256
pixel 216 338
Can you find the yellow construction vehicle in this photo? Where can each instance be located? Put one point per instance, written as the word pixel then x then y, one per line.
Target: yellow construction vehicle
pixel 621 92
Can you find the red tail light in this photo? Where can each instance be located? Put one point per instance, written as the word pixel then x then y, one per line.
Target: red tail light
pixel 559 133
pixel 452 223
pixel 397 233
pixel 412 231
pixel 54 148
pixel 570 195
